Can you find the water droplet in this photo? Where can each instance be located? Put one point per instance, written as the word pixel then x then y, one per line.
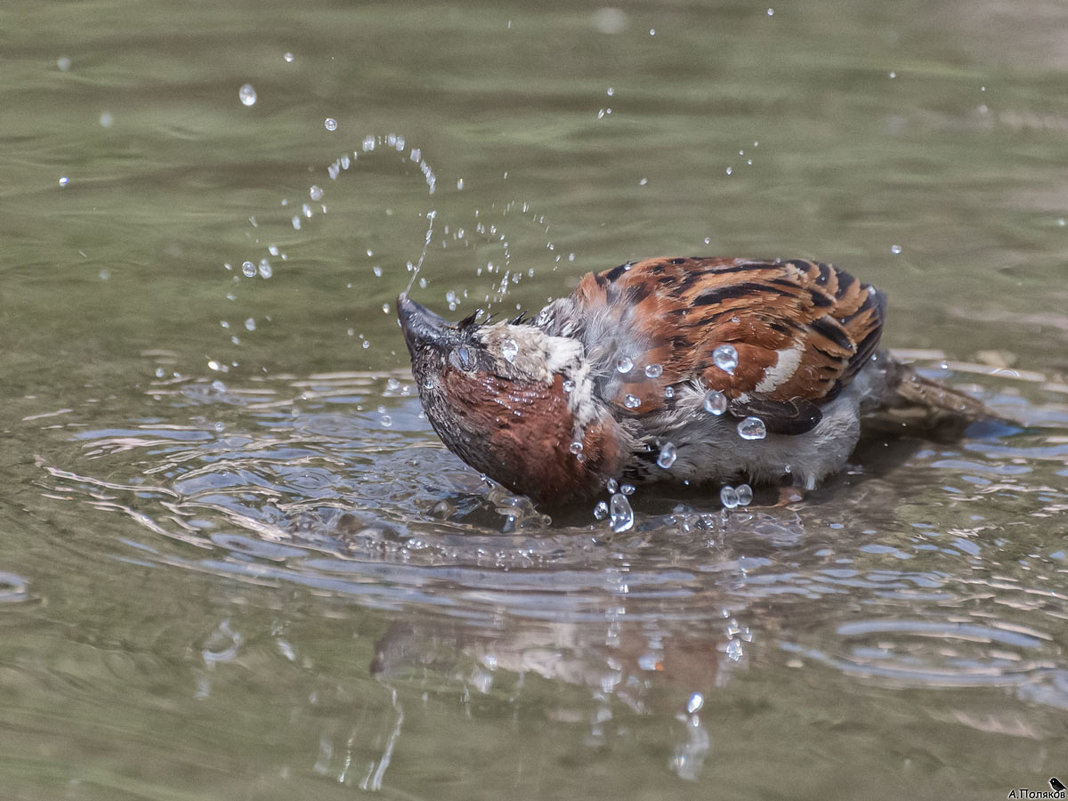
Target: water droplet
pixel 627 489
pixel 729 170
pixel 622 516
pixel 265 269
pixel 752 428
pixel 653 371
pixel 715 402
pixel 63 63
pixel 669 392
pixel 316 193
pixel 892 74
pixel 725 358
pixel 248 269
pixel 106 119
pixel 734 650
pixel 64 180
pixel 695 703
pixel 247 95
pixel 288 57
pixel 600 511
pixel 509 350
pixel 771 12
pixel 745 494
pixel 568 385
pixel 624 364
pixel 668 454
pixel 330 124
pixel 612 485
pixel 386 421
pixel 895 249
pixel 250 324
pixel 632 401
pixel 728 497
pixel 576 447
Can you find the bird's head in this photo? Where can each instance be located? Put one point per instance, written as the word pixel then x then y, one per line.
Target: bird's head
pixel 510 400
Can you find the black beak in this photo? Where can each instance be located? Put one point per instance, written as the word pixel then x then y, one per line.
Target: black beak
pixel 420 325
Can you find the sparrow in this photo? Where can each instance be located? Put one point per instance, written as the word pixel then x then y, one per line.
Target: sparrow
pixel 697 370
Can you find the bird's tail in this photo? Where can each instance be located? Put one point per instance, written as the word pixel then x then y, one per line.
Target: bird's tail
pixel 902 401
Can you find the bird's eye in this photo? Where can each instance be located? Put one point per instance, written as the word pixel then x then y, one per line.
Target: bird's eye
pixel 463 359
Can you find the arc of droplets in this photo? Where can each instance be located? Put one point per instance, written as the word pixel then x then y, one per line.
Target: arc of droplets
pixel 399 144
pixel 370 144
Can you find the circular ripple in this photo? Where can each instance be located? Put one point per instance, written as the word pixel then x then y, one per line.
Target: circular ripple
pixel 936 653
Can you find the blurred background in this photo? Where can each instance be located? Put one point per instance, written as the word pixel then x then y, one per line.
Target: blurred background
pixel 235 561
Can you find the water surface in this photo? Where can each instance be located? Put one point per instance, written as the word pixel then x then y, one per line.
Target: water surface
pixel 235 561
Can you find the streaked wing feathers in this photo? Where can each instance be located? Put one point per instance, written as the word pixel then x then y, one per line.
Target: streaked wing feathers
pixel 801 330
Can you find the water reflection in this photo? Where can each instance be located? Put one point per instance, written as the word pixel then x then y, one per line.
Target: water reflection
pixel 638 664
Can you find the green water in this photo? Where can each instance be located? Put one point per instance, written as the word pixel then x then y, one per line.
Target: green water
pixel 235 562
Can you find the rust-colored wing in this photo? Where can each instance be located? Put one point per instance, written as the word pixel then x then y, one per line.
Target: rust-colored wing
pixel 800 331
